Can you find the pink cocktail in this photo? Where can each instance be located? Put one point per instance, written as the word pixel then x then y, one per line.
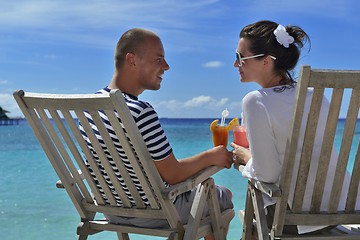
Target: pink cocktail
pixel 240 136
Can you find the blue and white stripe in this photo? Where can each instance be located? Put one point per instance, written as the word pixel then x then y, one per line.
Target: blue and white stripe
pixel 155 139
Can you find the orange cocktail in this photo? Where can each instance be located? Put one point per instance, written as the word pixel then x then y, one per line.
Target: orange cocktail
pixel 220 135
pixel 220 132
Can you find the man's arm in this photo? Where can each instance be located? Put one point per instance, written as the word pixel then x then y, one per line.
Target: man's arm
pixel 173 171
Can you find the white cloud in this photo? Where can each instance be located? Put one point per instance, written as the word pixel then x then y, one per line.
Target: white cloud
pixel 200 106
pixel 213 64
pixel 187 108
pixel 199 101
pixel 4 82
pixel 202 101
pixel 172 105
pixel 222 102
pixel 236 105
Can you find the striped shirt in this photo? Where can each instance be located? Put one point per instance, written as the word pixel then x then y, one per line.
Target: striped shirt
pixel 155 139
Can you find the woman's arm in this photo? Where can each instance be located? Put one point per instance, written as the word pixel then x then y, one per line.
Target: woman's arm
pixel 265 162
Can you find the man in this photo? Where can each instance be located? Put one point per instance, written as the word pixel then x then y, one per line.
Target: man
pixel 139 65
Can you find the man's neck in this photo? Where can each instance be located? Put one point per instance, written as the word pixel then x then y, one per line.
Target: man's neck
pixel 119 82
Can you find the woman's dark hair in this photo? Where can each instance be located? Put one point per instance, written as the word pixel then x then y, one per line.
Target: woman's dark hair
pixel 263 40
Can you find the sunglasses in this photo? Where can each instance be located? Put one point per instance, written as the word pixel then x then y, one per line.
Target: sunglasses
pixel 241 60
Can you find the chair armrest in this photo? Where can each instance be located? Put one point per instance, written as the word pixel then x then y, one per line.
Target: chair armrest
pixel 271 189
pixel 60 185
pixel 268 188
pixel 179 188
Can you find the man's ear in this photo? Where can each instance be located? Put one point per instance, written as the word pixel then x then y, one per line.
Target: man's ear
pixel 130 59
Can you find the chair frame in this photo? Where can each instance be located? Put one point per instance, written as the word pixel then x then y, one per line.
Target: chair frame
pixel 52 118
pixel 319 79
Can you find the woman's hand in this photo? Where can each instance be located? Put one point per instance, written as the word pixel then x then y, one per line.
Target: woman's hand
pixel 241 155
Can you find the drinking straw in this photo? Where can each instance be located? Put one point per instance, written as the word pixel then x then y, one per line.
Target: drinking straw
pixel 224 114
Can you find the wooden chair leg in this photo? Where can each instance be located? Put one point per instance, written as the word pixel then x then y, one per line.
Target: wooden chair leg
pixel 196 212
pixel 260 216
pixel 215 214
pixel 83 237
pixel 174 236
pixel 248 217
pixel 123 236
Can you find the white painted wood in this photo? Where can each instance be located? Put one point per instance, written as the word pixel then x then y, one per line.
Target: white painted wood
pixel 52 118
pixel 348 220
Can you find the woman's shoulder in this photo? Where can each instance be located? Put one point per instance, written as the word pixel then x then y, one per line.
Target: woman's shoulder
pixel 269 97
pixel 256 95
pixel 273 92
pixel 253 94
pixel 253 99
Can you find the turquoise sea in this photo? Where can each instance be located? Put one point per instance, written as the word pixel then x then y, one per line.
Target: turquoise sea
pixel 31 207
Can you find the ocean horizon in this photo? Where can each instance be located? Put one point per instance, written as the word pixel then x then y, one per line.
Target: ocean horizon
pixel 31 207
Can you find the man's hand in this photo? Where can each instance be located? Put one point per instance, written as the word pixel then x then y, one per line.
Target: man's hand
pixel 220 156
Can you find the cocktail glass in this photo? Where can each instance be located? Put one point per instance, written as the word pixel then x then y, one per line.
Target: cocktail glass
pixel 240 136
pixel 220 135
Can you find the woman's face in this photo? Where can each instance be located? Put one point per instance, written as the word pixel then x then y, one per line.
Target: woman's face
pixel 251 69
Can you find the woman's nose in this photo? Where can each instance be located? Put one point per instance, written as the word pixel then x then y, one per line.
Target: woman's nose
pixel 236 64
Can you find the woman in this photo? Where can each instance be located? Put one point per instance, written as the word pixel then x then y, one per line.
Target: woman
pixel 266 54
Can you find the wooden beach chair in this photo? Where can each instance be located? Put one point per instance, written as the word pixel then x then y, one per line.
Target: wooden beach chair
pixel 55 121
pixel 347 221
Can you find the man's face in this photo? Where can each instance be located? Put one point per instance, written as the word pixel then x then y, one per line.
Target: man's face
pixel 151 64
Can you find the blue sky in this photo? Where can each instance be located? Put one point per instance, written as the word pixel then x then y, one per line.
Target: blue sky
pixel 63 46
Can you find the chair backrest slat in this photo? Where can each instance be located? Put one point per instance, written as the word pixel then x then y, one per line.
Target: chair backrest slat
pixel 344 151
pixel 49 148
pixel 133 159
pixel 119 131
pixel 307 149
pixel 323 82
pixel 114 156
pixel 291 148
pixel 85 150
pixel 142 153
pixel 61 145
pixel 136 165
pixel 354 184
pixel 326 150
pixel 95 165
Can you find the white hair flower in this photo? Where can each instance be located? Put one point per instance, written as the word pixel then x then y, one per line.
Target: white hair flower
pixel 282 36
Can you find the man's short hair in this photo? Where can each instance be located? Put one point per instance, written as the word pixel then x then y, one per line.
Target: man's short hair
pixel 131 42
